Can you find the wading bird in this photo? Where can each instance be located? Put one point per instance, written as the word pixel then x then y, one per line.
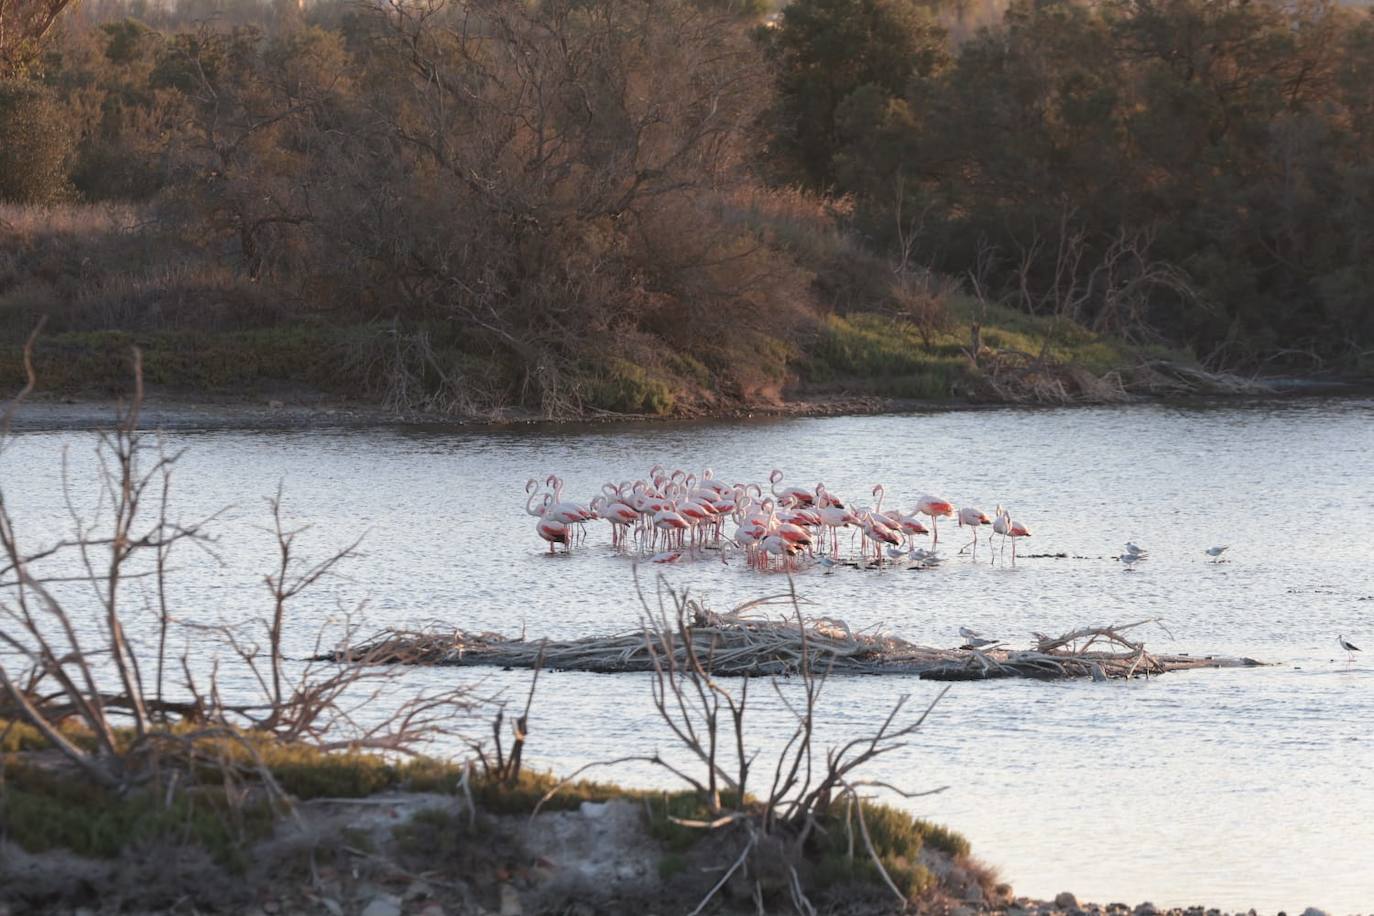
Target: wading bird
pixel 1349 647
pixel 675 516
pixel 972 518
pixel 936 508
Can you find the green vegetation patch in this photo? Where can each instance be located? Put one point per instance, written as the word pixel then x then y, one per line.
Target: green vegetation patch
pixel 888 354
pixel 42 810
pixel 897 838
pixel 621 386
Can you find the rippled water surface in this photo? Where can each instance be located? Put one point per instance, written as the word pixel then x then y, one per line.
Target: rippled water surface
pixel 1232 788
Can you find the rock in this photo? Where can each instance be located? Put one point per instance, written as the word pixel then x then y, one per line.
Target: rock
pixel 1066 901
pixel 510 901
pixel 432 909
pixel 417 890
pixel 382 905
pixel 1313 911
pixel 276 405
pixel 1145 909
pixel 593 809
pixel 334 907
pixel 963 911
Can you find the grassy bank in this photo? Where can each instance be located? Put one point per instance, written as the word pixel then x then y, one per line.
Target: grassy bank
pixel 860 354
pixel 110 277
pixel 475 837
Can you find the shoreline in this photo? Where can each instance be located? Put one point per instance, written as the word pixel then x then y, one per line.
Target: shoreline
pixel 189 412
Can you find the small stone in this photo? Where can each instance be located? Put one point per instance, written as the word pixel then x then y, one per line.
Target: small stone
pixel 334 907
pixel 382 905
pixel 1313 911
pixel 271 907
pixel 1145 909
pixel 417 890
pixel 1066 901
pixel 510 902
pixel 432 909
pixel 963 911
pixel 593 809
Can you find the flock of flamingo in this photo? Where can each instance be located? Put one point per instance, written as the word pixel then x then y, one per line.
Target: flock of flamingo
pixel 673 515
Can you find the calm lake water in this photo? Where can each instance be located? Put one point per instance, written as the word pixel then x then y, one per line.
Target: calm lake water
pixel 1231 788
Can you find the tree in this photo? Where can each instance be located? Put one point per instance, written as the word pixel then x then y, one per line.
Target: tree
pixel 36 144
pixel 827 49
pixel 23 26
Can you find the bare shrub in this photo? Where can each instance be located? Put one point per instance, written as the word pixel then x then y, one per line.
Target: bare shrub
pixel 118 692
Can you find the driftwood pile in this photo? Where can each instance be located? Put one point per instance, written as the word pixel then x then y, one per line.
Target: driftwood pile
pixel 736 644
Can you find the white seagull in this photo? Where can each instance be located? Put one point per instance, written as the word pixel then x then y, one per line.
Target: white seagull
pixel 1136 550
pixel 1349 647
pixel 1130 559
pixel 1216 552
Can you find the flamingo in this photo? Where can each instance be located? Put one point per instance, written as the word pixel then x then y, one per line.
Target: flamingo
pixel 670 523
pixel 1015 531
pixel 773 545
pixel 874 530
pixel 554 532
pixel 1001 524
pixel 971 517
pixel 567 513
pixel 620 515
pixel 659 511
pixel 935 507
pixel 802 497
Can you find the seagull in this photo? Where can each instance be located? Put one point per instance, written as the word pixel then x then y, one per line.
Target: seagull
pixel 1130 559
pixel 1216 552
pixel 979 643
pixel 827 564
pixel 1136 550
pixel 1349 647
pixel 969 634
pixel 896 553
pixel 925 558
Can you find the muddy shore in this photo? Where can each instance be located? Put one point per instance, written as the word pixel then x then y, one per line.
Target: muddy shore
pixel 301 410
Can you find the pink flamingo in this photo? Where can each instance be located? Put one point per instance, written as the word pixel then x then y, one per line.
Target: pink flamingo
pixel 803 497
pixel 973 518
pixel 554 532
pixel 935 507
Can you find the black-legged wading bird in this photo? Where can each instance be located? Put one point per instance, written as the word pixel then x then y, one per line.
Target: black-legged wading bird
pixel 1349 647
